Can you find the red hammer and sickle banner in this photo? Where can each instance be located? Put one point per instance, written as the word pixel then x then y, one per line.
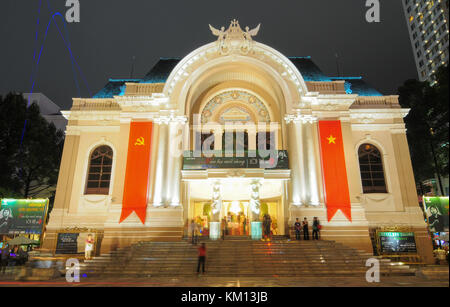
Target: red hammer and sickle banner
pixel 135 193
pixel 337 196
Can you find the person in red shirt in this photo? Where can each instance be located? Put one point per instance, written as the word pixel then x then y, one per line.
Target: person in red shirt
pixel 201 258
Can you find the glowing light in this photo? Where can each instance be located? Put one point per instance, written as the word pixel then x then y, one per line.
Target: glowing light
pixel 214 230
pixel 256 230
pixel 235 207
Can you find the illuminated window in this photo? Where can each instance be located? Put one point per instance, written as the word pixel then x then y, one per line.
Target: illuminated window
pixel 371 167
pixel 99 174
pixel 411 18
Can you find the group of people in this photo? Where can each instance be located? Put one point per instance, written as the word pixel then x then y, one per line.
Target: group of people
pixel 304 227
pixel 234 224
pixel 14 256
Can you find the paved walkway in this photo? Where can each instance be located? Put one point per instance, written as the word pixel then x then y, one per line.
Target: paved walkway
pixel 201 281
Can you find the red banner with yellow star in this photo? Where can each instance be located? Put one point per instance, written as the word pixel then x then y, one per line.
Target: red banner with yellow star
pixel 135 192
pixel 337 196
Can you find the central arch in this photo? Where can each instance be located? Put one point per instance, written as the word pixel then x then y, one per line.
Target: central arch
pixel 206 67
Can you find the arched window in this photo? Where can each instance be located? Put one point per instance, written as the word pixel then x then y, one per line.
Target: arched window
pixel 372 172
pixel 99 171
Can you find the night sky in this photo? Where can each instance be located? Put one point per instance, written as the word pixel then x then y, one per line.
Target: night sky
pixel 111 32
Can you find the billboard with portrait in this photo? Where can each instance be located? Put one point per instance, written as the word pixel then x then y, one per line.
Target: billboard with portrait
pixel 22 216
pixel 436 209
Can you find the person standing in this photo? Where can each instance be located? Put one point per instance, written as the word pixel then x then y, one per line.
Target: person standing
pixel 192 231
pixel 196 232
pixel 316 228
pixel 298 229
pixel 89 247
pixel 305 229
pixel 244 223
pixel 223 226
pixel 201 258
pixel 4 258
pixel 269 226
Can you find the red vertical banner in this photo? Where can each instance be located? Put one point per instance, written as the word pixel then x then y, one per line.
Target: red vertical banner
pixel 135 192
pixel 337 196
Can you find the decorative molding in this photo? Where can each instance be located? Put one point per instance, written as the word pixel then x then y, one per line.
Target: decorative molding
pixel 367 116
pixel 297 118
pixel 93 115
pixel 168 119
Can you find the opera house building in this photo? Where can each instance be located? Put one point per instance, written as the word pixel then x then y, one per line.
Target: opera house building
pixel 235 128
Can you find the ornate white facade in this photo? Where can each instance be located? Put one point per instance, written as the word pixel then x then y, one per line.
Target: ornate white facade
pixel 235 84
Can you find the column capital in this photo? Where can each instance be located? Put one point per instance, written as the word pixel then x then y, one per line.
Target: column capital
pixel 299 118
pixel 169 119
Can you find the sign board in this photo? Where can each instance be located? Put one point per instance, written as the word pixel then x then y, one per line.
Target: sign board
pixel 22 216
pixel 397 242
pixel 436 209
pixel 67 243
pixel 190 162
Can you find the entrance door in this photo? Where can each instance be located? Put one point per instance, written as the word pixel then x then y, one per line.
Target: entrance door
pixel 236 215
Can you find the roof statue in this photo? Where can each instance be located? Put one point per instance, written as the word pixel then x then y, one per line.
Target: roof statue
pixel 234 39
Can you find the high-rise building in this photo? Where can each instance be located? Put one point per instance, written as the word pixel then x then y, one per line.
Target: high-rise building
pixel 428 29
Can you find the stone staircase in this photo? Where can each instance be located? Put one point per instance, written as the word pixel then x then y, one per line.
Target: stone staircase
pixel 240 257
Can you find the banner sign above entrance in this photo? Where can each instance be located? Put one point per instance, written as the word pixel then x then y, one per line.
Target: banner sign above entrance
pixel 199 163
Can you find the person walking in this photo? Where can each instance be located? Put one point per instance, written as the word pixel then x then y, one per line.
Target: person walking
pixel 201 258
pixel 316 228
pixel 4 258
pixel 192 231
pixel 305 229
pixel 269 227
pixel 223 227
pixel 196 232
pixel 298 229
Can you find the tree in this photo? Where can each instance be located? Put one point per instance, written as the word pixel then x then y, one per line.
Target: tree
pixel 427 124
pixel 30 157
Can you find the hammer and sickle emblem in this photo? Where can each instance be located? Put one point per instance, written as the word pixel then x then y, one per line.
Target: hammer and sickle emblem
pixel 139 141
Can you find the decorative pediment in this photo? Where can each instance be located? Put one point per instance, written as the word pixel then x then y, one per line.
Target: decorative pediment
pixel 235 114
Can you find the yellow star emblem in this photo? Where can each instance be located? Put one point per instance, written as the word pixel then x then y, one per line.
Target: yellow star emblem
pixel 331 139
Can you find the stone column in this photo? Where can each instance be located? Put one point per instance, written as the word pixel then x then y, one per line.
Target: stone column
pixel 310 160
pixel 251 137
pixel 255 208
pixel 216 207
pixel 218 134
pixel 161 162
pixel 295 146
pixel 175 161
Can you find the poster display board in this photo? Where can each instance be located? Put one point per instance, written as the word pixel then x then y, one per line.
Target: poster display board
pixel 67 243
pixel 436 209
pixel 22 216
pixel 393 242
